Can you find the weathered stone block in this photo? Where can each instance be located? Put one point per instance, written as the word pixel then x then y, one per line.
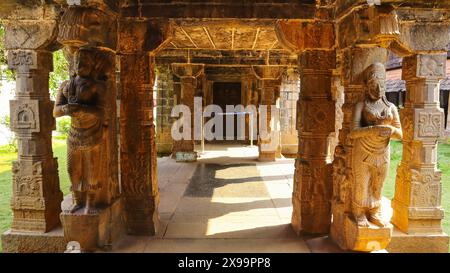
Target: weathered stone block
pixel 418 243
pixel 30 242
pixel 366 239
pixel 93 231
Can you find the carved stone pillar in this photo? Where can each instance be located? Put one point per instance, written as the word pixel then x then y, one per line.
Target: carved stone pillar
pixel 183 150
pixel 138 150
pixel 417 201
pixel 138 163
pixel 93 31
pixel 36 195
pixel 315 123
pixel 165 97
pixel 270 80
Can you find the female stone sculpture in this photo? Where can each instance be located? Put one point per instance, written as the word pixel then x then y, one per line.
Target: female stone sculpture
pixel 375 122
pixel 82 98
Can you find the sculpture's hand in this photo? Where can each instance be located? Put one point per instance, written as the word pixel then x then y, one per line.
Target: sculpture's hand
pixel 385 130
pixel 71 108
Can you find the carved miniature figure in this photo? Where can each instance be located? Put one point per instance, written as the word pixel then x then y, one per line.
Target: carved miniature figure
pixel 82 98
pixel 375 122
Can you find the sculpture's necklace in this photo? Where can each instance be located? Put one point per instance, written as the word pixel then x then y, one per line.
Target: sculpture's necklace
pixel 376 109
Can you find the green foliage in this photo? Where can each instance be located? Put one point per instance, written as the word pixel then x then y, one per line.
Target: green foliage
pixel 63 125
pixel 5 121
pixel 12 140
pixel 60 72
pixel 6 159
pixel 5 73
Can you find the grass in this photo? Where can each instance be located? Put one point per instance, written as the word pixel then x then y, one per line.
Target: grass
pixel 444 166
pixel 7 155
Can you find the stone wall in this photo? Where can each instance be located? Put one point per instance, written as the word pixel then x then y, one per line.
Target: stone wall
pixel 165 100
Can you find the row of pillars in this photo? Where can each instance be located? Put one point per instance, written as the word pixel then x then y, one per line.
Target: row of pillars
pixel 327 75
pixel 270 79
pixel 416 204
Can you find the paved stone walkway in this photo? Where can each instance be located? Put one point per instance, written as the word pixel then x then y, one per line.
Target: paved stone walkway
pixel 225 202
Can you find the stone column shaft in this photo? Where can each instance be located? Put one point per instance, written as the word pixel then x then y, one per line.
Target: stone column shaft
pixel 417 201
pixel 315 122
pixel 183 149
pixel 270 91
pixel 270 79
pixel 36 194
pixel 188 86
pixel 138 149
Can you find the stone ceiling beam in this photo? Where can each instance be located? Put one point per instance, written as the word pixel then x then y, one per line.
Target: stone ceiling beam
pixel 209 37
pixel 227 57
pixel 104 5
pixel 220 9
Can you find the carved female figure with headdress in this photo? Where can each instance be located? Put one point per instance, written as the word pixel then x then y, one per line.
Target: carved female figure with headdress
pixel 375 122
pixel 83 99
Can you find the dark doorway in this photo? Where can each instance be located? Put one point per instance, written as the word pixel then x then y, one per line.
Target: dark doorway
pixel 224 94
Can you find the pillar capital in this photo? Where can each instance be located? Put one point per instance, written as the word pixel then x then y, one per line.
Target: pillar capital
pixel 27 60
pixel 30 34
pixel 429 66
pixel 136 36
pixel 424 30
pixel 368 25
pixel 298 36
pixel 268 72
pixel 88 26
pixel 184 70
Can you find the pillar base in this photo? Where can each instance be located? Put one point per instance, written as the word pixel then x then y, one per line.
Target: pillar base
pixel 267 156
pixel 289 150
pixel 418 243
pixel 366 239
pixel 186 156
pixel 163 149
pixel 34 242
pixel 93 231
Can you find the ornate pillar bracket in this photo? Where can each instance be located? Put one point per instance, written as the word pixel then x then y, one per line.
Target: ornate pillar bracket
pixel 183 150
pixel 270 79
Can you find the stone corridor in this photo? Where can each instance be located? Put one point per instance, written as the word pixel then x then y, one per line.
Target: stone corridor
pixel 132 62
pixel 227 201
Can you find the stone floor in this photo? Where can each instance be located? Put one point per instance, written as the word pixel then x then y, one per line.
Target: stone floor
pixel 225 202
